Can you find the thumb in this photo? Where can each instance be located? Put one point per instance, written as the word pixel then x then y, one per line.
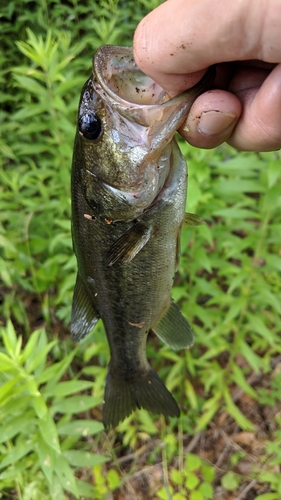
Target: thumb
pixel 181 38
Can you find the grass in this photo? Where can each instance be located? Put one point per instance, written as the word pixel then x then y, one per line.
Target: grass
pixel 226 443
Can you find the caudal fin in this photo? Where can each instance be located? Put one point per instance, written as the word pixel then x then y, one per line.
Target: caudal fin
pixel 149 392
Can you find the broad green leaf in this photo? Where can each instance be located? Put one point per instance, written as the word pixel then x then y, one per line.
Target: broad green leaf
pixel 192 480
pixel 15 454
pixel 208 473
pixel 86 490
pixel 196 495
pixel 113 479
pixel 177 476
pixel 81 458
pixel 75 404
pixel 39 406
pixel 16 425
pixel 15 405
pixel 179 496
pixel 165 493
pixel 70 387
pixel 49 432
pixel 80 427
pixel 230 481
pixel 6 390
pixel 207 490
pixel 65 475
pixel 193 462
pixel 46 455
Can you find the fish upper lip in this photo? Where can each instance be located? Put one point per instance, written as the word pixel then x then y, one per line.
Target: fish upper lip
pixel 114 78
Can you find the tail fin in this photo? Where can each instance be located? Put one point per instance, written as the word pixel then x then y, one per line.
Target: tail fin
pixel 122 397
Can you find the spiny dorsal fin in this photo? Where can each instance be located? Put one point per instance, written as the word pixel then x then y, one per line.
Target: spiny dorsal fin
pixel 192 220
pixel 174 329
pixel 83 314
pixel 128 245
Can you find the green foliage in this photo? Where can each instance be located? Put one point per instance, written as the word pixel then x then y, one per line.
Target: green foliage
pixel 228 285
pixel 194 481
pixel 39 431
pixel 270 471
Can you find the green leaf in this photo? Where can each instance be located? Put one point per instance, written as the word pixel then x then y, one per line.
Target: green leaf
pixel 75 404
pixel 207 490
pixel 16 425
pixel 234 411
pixel 176 476
pixel 15 454
pixel 113 479
pixel 191 481
pixel 196 495
pixel 46 457
pixel 193 462
pixel 10 339
pixel 65 475
pixel 49 433
pixel 85 490
pixel 163 494
pixel 54 372
pixel 208 473
pixel 6 390
pixel 253 359
pixel 179 496
pixel 207 416
pixel 66 388
pixel 36 359
pixel 30 346
pixel 40 406
pixel 230 481
pixel 79 458
pixel 268 496
pixel 239 378
pixel 80 428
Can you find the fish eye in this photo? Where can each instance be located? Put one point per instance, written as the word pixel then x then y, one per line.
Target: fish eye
pixel 89 126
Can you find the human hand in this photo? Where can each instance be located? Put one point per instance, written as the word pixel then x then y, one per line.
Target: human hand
pixel 175 44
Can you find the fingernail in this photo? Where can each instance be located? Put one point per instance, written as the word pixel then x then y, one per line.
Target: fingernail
pixel 214 122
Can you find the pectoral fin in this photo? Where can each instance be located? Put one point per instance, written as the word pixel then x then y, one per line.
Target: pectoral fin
pixel 128 245
pixel 192 220
pixel 83 314
pixel 174 329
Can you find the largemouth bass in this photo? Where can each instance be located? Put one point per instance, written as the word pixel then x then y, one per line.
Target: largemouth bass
pixel 128 206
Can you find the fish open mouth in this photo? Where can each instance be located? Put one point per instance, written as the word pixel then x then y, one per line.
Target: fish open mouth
pixel 119 76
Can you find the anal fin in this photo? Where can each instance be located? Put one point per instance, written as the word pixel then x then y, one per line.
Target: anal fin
pixel 128 245
pixel 173 329
pixel 83 314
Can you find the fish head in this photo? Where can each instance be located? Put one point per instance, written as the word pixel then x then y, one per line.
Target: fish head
pixel 126 124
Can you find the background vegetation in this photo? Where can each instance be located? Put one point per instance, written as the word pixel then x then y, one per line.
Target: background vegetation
pixel 226 445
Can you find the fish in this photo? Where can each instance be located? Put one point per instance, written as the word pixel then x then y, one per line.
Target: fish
pixel 128 187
